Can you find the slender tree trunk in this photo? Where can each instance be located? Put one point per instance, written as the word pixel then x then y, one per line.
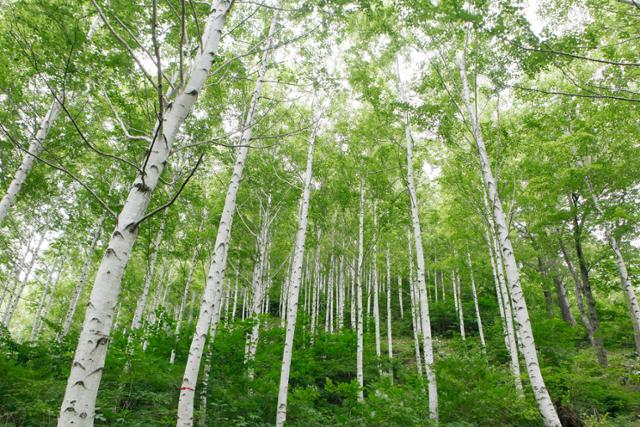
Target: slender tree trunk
pixel 294 285
pixel 360 333
pixel 48 303
pixel 35 148
pixel 563 301
pixel 389 326
pixel 422 287
pixel 545 404
pixel 50 282
pixel 415 323
pixel 78 406
pixel 585 287
pixel 235 297
pixel 13 302
pixel 400 298
pixel 458 291
pixel 376 291
pixel 68 320
pixel 475 303
pixel 625 281
pixel 258 287
pixel 185 295
pixel 510 342
pixel 148 278
pixel 215 275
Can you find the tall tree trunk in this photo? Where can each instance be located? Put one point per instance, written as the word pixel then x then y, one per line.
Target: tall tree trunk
pixel 389 326
pixel 53 278
pixel 376 290
pixel 475 303
pixel 545 404
pixel 359 308
pixel 510 339
pixel 625 281
pixel 585 287
pixel 415 323
pixel 47 306
pixel 77 293
pixel 258 288
pixel 13 302
pixel 294 285
pixel 78 406
pixel 215 275
pixel 185 295
pixel 458 291
pixel 422 286
pixel 563 301
pixel 148 278
pixel 37 143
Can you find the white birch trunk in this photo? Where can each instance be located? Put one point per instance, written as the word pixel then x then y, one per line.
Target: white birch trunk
pixel 475 303
pixel 458 290
pixel 422 287
pixel 625 281
pixel 68 320
pixel 183 300
pixel 545 404
pixel 360 325
pixel 454 290
pixel 78 406
pixel 43 301
pixel 13 302
pixel 376 290
pixel 35 148
pixel 400 298
pixel 235 297
pixel 148 278
pixel 389 319
pixel 47 306
pixel 258 288
pixel 215 275
pixel 415 326
pixel 294 285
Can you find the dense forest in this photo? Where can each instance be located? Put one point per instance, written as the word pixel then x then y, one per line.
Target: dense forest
pixel 319 213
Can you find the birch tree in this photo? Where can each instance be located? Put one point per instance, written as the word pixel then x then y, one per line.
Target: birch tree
pixel 78 406
pixel 215 274
pixel 545 405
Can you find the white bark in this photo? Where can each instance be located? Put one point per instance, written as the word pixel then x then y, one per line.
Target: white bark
pixel 78 406
pixel 148 278
pixel 50 282
pixel 376 290
pixel 422 287
pixel 454 290
pixel 235 297
pixel 13 302
pixel 35 148
pixel 415 326
pixel 545 404
pixel 258 287
pixel 475 303
pixel 183 300
pixel 400 298
pixel 389 328
pixel 625 281
pixel 360 325
pixel 294 285
pixel 215 275
pixel 47 306
pixel 68 320
pixel 458 291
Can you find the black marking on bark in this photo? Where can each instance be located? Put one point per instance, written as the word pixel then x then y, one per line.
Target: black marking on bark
pixel 142 187
pixel 80 383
